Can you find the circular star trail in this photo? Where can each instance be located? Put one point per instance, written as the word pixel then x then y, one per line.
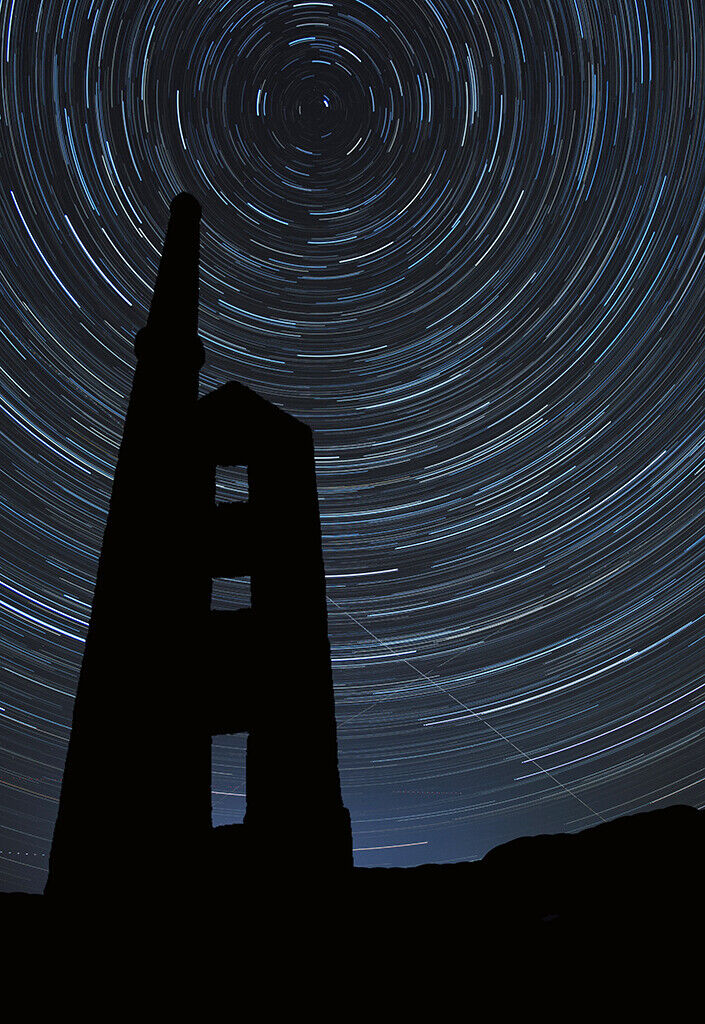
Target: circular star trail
pixel 463 239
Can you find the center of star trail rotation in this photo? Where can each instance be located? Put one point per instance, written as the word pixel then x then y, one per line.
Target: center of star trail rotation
pixel 464 241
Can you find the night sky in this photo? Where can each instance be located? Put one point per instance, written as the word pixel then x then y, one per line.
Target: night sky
pixel 464 240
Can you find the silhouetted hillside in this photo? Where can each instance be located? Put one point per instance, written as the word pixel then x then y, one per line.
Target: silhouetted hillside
pixel 638 874
pixel 633 871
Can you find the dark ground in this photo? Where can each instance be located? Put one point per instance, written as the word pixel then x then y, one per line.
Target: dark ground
pixel 638 879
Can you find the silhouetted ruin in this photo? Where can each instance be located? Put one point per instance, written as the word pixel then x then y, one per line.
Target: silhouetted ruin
pixel 163 673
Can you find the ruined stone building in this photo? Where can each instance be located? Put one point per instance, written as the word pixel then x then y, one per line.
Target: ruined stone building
pixel 163 673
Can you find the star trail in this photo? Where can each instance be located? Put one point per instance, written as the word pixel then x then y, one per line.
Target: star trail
pixel 464 240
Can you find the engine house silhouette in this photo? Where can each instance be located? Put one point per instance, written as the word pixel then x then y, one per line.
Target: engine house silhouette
pixel 163 672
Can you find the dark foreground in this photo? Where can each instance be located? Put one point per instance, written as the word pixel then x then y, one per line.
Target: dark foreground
pixel 633 872
pixel 553 903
